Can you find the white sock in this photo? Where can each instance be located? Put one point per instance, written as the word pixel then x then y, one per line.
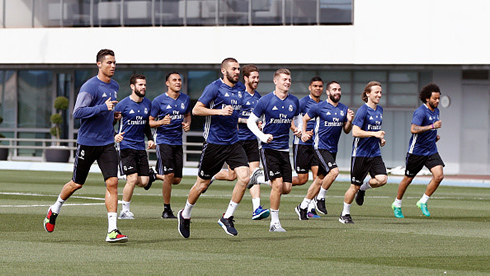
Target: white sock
pixel 365 186
pixel 311 206
pixel 125 205
pixel 274 216
pixel 112 218
pixel 186 213
pixel 424 198
pixel 261 180
pixel 231 209
pixel 55 208
pixel 321 194
pixel 304 204
pixel 397 203
pixel 255 203
pixel 346 209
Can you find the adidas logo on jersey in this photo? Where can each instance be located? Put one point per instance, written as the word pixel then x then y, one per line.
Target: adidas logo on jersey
pixel 131 112
pixel 104 95
pixel 274 108
pixel 328 113
pixel 226 94
pixel 169 107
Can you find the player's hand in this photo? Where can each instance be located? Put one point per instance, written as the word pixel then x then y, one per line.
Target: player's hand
pixel 227 111
pixel 379 134
pixel 297 133
pixel 110 104
pixel 437 124
pixel 270 138
pixel 382 142
pixel 166 120
pixel 186 126
pixel 117 115
pixel 438 138
pixel 306 136
pixel 350 115
pixel 151 144
pixel 119 137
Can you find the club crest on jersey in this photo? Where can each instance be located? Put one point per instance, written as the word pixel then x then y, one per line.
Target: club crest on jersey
pixel 182 106
pixel 146 110
pixel 341 113
pixel 291 107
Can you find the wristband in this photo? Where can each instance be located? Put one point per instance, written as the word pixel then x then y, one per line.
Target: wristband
pixel 432 126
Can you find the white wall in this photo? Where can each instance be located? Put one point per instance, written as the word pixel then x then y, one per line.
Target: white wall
pixel 384 32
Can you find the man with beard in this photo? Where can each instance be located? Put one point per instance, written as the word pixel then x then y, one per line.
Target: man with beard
pixel 220 102
pixel 366 153
pixel 95 109
pixel 135 110
pixel 304 155
pixel 249 140
pixel 170 114
pixel 331 118
pixel 422 149
pixel 279 108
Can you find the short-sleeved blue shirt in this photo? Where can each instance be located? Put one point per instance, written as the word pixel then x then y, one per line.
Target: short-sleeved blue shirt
pixel 222 130
pixel 248 104
pixel 162 105
pixel 133 122
pixel 424 143
pixel 330 121
pixel 278 116
pixel 304 105
pixel 367 119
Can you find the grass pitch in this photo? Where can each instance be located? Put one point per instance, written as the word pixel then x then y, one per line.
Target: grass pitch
pixel 454 241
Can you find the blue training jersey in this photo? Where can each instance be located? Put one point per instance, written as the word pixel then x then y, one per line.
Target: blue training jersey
pixel 133 122
pixel 162 105
pixel 367 119
pixel 96 121
pixel 222 130
pixel 424 143
pixel 248 105
pixel 278 116
pixel 330 121
pixel 304 105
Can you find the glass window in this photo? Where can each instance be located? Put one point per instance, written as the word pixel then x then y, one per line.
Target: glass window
pixel 367 76
pixel 155 83
pixel 336 12
pixel 122 78
pixel 8 99
pixel 35 94
pixel 198 80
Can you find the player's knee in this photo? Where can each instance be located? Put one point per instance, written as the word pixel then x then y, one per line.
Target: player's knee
pixel 438 178
pixel 334 172
pixel 177 180
pixel 382 180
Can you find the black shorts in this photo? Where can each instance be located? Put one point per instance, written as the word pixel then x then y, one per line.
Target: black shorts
pixel 85 156
pixel 326 160
pixel 276 164
pixel 213 157
pixel 134 161
pixel 169 159
pixel 361 166
pixel 304 158
pixel 251 148
pixel 414 163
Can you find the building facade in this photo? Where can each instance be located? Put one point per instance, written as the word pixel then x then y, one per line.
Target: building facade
pixel 402 44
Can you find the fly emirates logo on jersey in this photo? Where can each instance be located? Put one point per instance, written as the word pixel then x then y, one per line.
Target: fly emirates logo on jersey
pixel 176 115
pixel 334 121
pixel 138 120
pixel 234 104
pixel 374 124
pixel 283 119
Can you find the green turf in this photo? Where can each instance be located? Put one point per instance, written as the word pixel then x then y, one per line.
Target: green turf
pixel 454 241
